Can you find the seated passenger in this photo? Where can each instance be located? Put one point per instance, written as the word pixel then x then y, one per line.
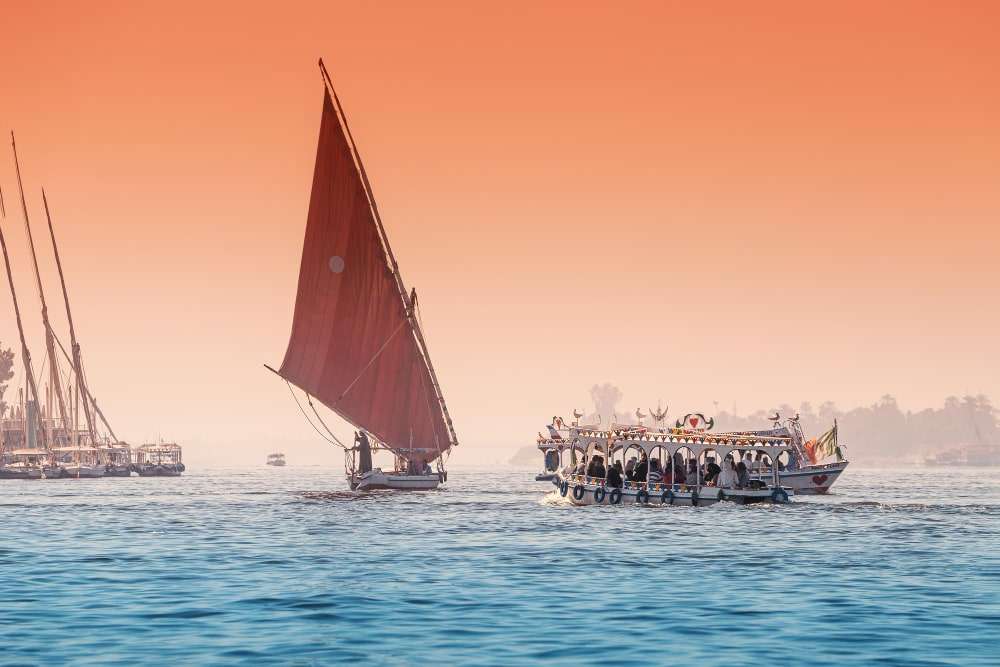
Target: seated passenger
pixel 598 470
pixel 727 476
pixel 615 475
pixel 641 469
pixel 655 475
pixel 630 469
pixel 712 471
pixel 742 475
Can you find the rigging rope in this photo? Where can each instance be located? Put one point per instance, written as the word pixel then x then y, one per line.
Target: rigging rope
pixel 304 414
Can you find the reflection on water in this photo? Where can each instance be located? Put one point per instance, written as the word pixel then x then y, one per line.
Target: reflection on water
pixel 285 565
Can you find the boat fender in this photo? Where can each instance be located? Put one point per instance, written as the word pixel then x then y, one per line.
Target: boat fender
pixel 441 476
pixel 694 497
pixel 616 496
pixel 667 497
pixel 599 494
pixel 718 496
pixel 579 491
pixel 642 496
pixel 563 488
pixel 779 493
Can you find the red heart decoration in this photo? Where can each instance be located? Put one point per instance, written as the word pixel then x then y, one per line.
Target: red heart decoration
pixel 819 479
pixel 693 421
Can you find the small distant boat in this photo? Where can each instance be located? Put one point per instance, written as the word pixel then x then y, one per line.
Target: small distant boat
pixel 276 459
pixel 356 343
pixel 159 460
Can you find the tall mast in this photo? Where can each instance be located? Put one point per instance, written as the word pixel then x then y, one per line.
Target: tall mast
pixel 81 387
pixel 408 301
pixel 49 336
pixel 25 355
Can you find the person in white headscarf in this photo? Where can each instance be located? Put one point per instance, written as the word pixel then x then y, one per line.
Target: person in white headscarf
pixel 728 477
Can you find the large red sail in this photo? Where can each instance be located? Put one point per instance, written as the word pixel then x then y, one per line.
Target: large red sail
pixel 352 345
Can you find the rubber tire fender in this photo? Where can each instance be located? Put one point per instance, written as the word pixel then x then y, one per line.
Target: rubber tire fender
pixel 564 488
pixel 616 496
pixel 599 494
pixel 579 492
pixel 667 497
pixel 642 496
pixel 779 492
pixel 694 498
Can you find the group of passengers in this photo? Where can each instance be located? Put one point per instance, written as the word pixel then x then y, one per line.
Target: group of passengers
pixel 733 473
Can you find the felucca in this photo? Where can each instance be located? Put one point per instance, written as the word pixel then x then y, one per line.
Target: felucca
pixel 356 343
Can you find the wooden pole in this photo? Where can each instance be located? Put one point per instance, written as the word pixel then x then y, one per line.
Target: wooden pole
pixel 25 354
pixel 49 336
pixel 81 386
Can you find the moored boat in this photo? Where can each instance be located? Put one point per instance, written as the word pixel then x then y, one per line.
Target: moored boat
pixel 78 462
pixel 357 345
pixel 277 459
pixel 162 459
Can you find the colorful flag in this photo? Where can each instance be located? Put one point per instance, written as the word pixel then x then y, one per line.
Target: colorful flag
pixel 825 445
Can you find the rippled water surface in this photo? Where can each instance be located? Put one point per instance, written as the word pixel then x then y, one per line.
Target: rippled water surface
pixel 285 566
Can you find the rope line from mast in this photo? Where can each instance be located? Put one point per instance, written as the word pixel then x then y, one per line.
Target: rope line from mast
pixel 304 414
pixel 323 423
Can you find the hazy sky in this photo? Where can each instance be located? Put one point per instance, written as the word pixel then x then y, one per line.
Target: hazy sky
pixel 734 202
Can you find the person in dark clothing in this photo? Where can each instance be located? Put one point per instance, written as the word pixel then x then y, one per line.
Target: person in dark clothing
pixel 592 465
pixel 598 468
pixel 641 469
pixel 614 476
pixel 712 471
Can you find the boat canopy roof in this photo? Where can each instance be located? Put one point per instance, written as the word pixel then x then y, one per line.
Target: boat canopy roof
pixel 74 449
pixel 28 452
pixel 677 438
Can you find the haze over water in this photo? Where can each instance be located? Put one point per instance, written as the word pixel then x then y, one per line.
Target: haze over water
pixel 284 566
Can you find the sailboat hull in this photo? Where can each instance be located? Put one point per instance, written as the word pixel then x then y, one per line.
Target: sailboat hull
pixel 376 479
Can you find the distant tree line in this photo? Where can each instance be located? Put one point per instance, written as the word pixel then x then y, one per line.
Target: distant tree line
pixel 880 430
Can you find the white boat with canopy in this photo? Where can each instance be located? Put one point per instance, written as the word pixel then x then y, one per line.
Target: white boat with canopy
pixel 806 467
pixel 356 344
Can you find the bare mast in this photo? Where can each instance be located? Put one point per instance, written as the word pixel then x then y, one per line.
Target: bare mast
pixel 25 355
pixel 50 344
pixel 81 386
pixel 408 300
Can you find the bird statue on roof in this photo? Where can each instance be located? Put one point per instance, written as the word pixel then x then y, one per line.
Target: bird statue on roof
pixel 639 415
pixel 776 418
pixel 576 415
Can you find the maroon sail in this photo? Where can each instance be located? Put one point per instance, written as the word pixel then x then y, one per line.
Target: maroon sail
pixel 354 345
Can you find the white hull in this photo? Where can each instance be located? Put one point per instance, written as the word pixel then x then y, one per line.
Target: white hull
pixel 376 479
pixel 812 480
pixel 83 471
pixel 586 491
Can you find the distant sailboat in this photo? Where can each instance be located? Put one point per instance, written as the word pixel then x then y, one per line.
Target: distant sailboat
pixel 356 342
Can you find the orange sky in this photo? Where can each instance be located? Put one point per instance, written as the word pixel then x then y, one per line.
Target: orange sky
pixel 735 202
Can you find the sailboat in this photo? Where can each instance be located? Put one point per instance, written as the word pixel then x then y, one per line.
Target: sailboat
pixel 72 452
pixel 356 343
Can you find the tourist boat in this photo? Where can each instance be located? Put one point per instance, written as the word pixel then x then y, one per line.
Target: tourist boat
pixel 78 462
pixel 159 460
pixel 802 470
pixel 117 459
pixel 276 459
pixel 356 343
pixel 690 447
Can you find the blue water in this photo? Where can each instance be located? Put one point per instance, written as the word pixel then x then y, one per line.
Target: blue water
pixel 276 566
